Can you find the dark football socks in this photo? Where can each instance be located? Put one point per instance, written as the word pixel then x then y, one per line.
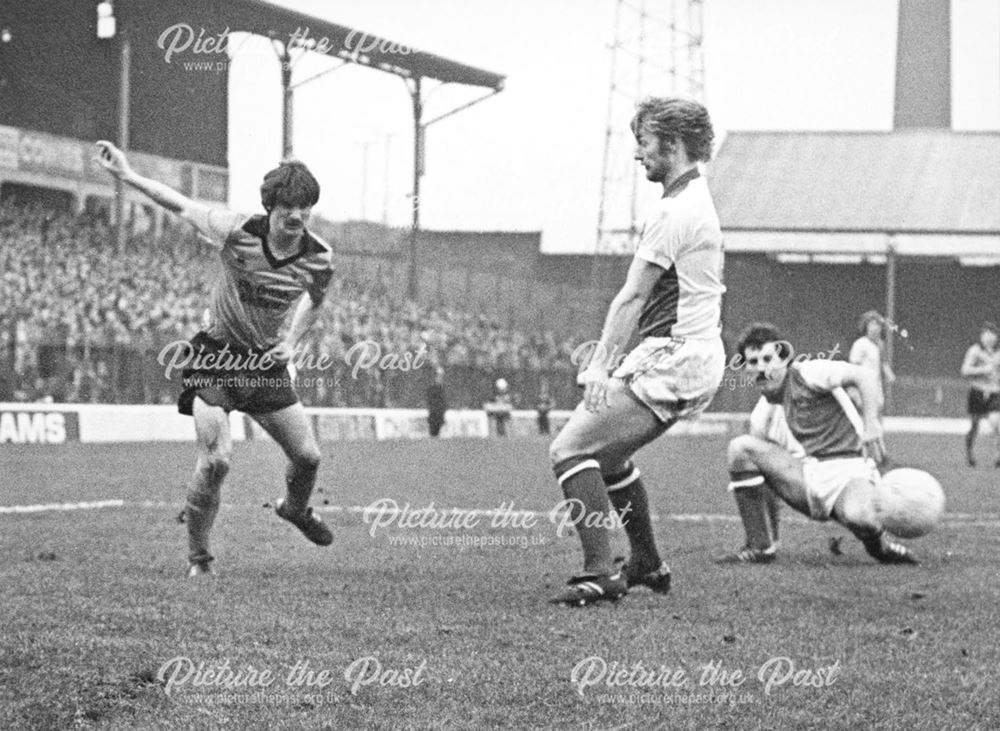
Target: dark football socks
pixel 773 510
pixel 581 482
pixel 750 492
pixel 299 481
pixel 629 498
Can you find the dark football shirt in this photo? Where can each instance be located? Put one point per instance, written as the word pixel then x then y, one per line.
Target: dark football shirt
pixel 256 291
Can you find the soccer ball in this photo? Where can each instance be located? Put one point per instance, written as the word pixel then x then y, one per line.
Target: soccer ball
pixel 909 502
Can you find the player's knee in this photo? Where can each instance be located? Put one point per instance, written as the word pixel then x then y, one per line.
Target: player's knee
pixel 557 452
pixel 560 450
pixel 856 506
pixel 201 500
pixel 611 470
pixel 216 463
pixel 307 459
pixel 741 450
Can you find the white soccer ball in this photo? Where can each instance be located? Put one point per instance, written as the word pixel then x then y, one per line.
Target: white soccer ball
pixel 909 502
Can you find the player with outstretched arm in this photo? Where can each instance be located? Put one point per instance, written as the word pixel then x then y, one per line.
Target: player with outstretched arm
pixel 240 361
pixel 672 294
pixel 809 446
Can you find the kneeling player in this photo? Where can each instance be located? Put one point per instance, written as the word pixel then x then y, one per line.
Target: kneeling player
pixel 809 446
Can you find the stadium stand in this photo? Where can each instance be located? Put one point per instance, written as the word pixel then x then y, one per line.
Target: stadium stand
pixel 81 322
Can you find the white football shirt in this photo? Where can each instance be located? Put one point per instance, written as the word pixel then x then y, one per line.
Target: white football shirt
pixel 682 235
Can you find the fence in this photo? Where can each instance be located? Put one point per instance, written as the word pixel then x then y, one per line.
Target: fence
pixel 132 375
pixel 129 374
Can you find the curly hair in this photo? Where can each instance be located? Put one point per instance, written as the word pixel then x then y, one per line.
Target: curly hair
pixel 290 184
pixel 868 317
pixel 674 116
pixel 757 335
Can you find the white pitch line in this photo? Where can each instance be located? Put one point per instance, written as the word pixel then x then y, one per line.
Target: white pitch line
pixel 968 519
pixel 93 505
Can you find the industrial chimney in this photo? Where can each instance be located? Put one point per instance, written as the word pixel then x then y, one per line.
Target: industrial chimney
pixel 923 65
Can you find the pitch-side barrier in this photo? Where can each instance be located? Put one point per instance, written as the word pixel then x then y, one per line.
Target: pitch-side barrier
pixel 42 423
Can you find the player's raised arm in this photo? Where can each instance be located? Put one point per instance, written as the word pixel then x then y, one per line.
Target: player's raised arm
pixel 209 221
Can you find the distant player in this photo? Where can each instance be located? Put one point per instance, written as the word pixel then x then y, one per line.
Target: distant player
pixel 437 403
pixel 544 407
pixel 240 360
pixel 809 446
pixel 502 406
pixel 981 367
pixel 868 351
pixel 672 293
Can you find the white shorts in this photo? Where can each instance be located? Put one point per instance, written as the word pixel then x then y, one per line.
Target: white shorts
pixel 826 479
pixel 675 377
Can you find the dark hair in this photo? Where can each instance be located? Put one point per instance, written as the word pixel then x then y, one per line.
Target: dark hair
pixel 991 327
pixel 674 116
pixel 289 184
pixel 757 335
pixel 868 317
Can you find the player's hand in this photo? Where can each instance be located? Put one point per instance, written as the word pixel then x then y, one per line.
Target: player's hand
pixel 112 159
pixel 873 444
pixel 595 388
pixel 281 353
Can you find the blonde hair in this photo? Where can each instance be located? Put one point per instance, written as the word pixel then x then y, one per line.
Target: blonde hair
pixel 675 116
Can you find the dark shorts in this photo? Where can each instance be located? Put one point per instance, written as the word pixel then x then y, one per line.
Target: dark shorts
pixel 252 391
pixel 981 403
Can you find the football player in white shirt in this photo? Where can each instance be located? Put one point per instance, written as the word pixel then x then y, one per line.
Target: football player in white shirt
pixel 672 296
pixel 867 351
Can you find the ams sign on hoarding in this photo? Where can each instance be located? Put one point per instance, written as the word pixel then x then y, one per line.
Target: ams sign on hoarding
pixel 39 427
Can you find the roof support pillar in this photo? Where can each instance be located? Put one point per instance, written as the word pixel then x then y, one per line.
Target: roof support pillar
pixel 890 309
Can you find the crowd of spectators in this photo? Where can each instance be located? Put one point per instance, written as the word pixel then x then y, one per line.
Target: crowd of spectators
pixel 82 321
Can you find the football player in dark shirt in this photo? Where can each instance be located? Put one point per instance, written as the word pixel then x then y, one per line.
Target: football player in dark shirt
pixel 240 360
pixel 808 446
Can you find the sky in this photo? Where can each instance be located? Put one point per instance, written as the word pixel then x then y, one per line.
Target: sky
pixel 530 158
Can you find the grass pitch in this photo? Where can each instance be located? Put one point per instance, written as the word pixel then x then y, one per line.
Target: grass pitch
pixel 447 627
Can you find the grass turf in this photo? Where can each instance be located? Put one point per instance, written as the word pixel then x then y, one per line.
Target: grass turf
pixel 95 603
